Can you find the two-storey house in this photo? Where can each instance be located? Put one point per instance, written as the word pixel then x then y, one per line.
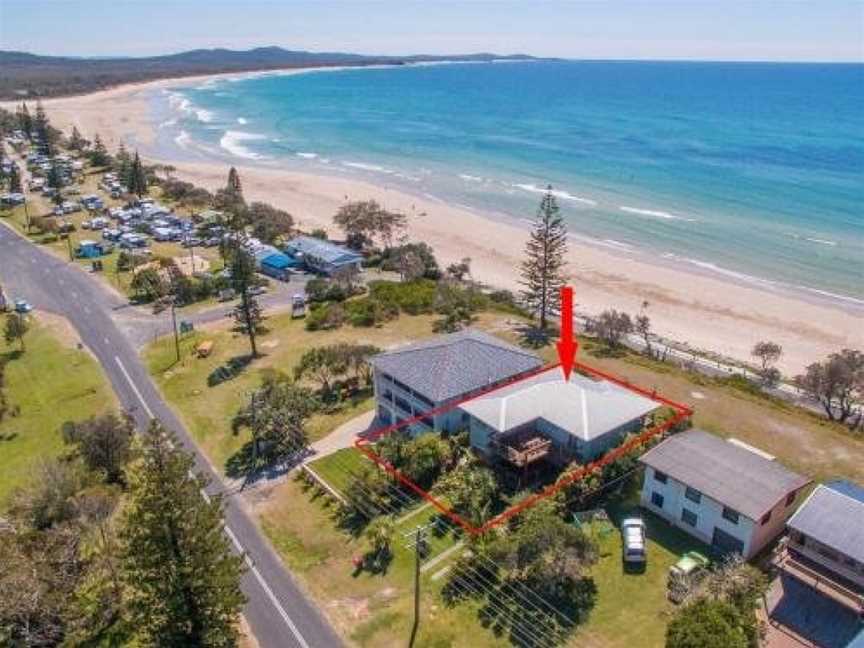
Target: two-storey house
pixel 727 494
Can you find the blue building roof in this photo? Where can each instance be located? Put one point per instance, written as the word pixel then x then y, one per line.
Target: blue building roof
pixel 323 250
pixel 279 261
pixel 847 488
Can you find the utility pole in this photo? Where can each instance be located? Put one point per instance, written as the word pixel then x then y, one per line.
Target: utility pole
pixel 174 326
pixel 419 547
pixel 69 244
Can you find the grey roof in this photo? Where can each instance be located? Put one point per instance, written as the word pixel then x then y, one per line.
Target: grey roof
pixel 834 515
pixel 584 407
pixel 726 472
pixel 453 365
pixel 324 250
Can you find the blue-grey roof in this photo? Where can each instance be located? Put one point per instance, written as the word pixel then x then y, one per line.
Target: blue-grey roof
pixel 453 365
pixel 726 472
pixel 324 250
pixel 279 261
pixel 583 407
pixel 834 515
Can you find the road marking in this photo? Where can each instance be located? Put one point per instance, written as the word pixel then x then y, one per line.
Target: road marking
pixel 134 388
pixel 229 532
pixel 267 590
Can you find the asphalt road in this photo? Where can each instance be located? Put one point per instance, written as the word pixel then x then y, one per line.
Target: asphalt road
pixel 278 612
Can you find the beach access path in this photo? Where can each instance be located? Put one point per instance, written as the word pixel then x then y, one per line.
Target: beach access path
pixel 278 611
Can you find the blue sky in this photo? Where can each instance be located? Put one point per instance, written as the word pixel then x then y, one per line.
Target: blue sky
pixel 799 30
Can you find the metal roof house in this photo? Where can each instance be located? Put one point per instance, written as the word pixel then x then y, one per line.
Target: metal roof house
pixel 322 256
pixel 546 417
pixel 416 378
pixel 826 535
pixel 729 495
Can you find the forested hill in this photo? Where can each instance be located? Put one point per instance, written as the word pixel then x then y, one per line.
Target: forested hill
pixel 31 75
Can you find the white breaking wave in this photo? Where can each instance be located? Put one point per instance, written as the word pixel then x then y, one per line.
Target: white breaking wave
pixel 843 298
pixel 232 141
pixel 242 120
pixel 181 104
pixel 167 123
pixel 562 195
pixel 821 241
pixel 470 178
pixel 367 167
pixel 655 213
pixel 714 268
pixel 308 156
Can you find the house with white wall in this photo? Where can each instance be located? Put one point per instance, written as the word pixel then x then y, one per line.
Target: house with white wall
pixel 412 380
pixel 731 496
pixel 546 417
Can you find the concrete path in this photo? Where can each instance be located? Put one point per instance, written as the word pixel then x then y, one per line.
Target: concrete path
pixel 343 436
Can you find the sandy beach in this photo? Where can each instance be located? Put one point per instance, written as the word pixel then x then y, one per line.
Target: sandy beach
pixel 706 312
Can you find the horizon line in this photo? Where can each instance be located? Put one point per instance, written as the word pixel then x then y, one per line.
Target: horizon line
pixel 574 59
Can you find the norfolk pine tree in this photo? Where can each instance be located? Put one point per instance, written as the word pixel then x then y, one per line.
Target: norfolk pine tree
pixel 247 313
pixel 137 177
pixel 543 267
pixel 183 579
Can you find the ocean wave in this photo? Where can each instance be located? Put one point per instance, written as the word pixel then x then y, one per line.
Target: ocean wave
pixel 232 141
pixel 363 166
pixel 308 156
pixel 821 241
pixel 181 104
pixel 618 245
pixel 470 178
pixel 713 268
pixel 561 195
pixel 655 213
pixel 167 123
pixel 242 120
pixel 835 296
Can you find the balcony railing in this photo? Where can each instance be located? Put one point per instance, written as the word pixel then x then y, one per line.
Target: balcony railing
pixel 522 450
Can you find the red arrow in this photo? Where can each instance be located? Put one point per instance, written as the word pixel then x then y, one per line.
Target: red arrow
pixel 567 345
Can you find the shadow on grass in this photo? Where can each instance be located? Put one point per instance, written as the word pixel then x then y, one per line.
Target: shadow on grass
pixel 231 369
pixel 252 469
pixel 534 337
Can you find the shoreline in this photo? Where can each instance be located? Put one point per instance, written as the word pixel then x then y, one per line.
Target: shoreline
pixel 707 310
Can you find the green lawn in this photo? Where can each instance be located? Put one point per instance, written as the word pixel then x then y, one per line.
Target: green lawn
pixel 51 382
pixel 631 607
pixel 207 411
pixel 370 609
pixel 336 469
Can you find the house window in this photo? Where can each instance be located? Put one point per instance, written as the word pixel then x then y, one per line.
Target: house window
pixel 660 476
pixel 689 517
pixel 765 518
pixel 693 495
pixel 657 500
pixel 730 514
pixel 790 498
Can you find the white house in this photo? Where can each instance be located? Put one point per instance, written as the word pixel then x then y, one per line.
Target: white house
pixel 546 417
pixel 725 493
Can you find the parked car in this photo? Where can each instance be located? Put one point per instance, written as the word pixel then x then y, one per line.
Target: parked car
pixel 257 290
pixel 22 306
pixel 633 536
pixel 191 242
pixel 685 574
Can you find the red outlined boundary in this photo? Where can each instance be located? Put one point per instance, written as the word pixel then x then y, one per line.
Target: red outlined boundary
pixel 364 445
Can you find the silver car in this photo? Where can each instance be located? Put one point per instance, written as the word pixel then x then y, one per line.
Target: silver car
pixel 633 540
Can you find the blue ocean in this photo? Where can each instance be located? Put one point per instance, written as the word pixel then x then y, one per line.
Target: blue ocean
pixel 751 171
